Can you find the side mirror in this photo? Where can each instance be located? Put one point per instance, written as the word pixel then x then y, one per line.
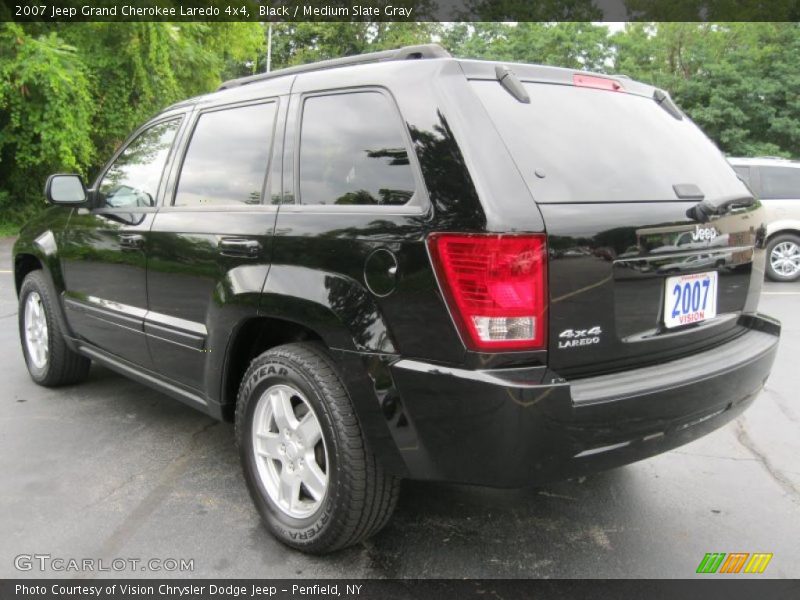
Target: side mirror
pixel 65 189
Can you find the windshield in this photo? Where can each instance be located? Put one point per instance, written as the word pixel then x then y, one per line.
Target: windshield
pixel 575 144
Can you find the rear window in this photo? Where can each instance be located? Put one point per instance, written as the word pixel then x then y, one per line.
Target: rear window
pixel 586 145
pixel 780 182
pixel 352 151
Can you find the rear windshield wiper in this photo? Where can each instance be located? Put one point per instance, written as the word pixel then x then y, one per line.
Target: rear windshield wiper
pixel 703 211
pixel 511 84
pixel 664 101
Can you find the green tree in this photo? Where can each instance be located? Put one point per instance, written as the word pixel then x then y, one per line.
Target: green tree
pixel 71 92
pixel 576 45
pixel 300 43
pixel 739 81
pixel 45 115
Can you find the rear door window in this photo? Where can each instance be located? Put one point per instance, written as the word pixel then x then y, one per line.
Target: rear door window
pixel 578 145
pixel 353 151
pixel 779 183
pixel 227 158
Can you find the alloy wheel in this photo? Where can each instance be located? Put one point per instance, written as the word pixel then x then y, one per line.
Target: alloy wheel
pixel 289 448
pixel 36 332
pixel 785 259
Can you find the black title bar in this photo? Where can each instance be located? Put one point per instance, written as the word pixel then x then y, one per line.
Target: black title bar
pixel 398 10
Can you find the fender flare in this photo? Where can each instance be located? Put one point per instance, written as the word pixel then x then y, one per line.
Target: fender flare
pixel 44 249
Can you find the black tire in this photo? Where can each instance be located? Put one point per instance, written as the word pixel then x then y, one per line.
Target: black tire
pixel 773 242
pixel 62 366
pixel 360 496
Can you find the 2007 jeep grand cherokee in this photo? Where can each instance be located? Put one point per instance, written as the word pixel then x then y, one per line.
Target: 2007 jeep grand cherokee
pixel 404 265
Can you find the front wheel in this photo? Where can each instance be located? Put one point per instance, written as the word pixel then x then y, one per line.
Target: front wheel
pixel 310 473
pixel 50 361
pixel 783 258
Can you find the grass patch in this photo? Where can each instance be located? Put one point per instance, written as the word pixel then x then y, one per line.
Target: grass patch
pixel 8 229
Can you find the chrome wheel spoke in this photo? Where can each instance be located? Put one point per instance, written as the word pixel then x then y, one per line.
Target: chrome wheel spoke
pixel 289 490
pixel 282 410
pixel 314 480
pixel 268 445
pixel 308 430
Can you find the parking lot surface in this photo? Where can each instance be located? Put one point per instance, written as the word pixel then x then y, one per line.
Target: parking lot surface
pixel 111 469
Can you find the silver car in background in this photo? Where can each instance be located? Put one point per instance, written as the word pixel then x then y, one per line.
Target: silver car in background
pixel 776 181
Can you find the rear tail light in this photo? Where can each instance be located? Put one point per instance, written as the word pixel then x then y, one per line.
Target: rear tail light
pixel 496 288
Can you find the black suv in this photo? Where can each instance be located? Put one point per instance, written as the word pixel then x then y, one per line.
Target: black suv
pixel 404 265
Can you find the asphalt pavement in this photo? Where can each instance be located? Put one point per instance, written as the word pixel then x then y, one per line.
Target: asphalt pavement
pixel 111 469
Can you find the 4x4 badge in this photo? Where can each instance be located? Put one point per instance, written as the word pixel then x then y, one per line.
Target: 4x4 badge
pixel 571 338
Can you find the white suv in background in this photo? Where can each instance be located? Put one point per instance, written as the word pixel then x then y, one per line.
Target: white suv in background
pixel 776 181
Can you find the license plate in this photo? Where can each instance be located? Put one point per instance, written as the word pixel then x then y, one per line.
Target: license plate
pixel 690 299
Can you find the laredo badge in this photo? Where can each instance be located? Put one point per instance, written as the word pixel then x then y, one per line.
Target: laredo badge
pixel 571 338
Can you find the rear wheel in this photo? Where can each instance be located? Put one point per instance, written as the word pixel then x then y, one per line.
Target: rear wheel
pixel 50 361
pixel 315 483
pixel 783 258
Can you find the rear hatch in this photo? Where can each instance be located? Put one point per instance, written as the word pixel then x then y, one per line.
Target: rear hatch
pixel 651 235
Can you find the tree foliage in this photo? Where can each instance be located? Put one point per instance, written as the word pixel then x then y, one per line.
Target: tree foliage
pixel 70 93
pixel 739 81
pixel 577 45
pixel 46 115
pixel 299 43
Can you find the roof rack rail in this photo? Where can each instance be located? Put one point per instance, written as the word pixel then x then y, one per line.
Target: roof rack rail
pixel 405 53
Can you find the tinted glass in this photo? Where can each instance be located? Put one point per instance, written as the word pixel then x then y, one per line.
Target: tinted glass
pixel 352 151
pixel 134 177
pixel 780 182
pixel 226 163
pixel 744 173
pixel 590 145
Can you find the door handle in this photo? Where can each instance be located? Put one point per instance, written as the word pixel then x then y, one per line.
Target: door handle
pixel 131 241
pixel 239 247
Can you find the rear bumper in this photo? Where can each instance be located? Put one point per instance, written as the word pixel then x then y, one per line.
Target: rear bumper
pixel 509 428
